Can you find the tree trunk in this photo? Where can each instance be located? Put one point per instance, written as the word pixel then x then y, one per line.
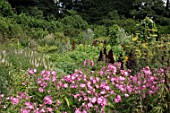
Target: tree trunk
pixel 167 5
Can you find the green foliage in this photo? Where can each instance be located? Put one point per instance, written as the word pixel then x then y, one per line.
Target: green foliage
pixel 10 29
pixel 72 24
pixel 4 75
pixel 147 30
pixel 113 30
pixel 72 60
pixel 57 41
pixel 33 11
pixel 164 29
pixel 37 33
pixel 6 9
pixel 99 31
pixel 147 8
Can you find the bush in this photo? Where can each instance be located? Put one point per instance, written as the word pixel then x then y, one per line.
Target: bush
pixel 58 40
pixel 100 31
pixel 73 24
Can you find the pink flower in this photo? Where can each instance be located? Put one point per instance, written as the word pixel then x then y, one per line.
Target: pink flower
pixel 92 63
pixel 65 85
pixel 14 101
pixel 94 81
pixel 123 72
pixel 24 83
pixel 43 72
pixel 41 89
pixel 118 64
pixel 143 95
pixel 122 78
pixel 90 105
pixel 24 111
pixel 147 70
pixel 134 79
pixel 84 62
pixel 129 89
pixel 82 85
pixel 39 80
pixel 104 102
pixel 49 109
pixel 126 95
pixel 53 73
pixel 103 92
pixel 84 111
pixel 112 68
pixel 99 100
pixel 101 73
pixel 48 100
pixel 76 95
pixel 58 102
pixel 77 110
pixel 112 92
pixel 118 99
pixel 54 78
pixel 29 106
pixel 107 88
pixel 31 72
pixel 93 100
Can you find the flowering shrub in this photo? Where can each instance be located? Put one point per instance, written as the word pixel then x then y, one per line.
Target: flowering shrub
pixel 107 90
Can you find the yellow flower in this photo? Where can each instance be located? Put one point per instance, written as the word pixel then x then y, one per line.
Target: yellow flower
pixel 135 38
pixel 144 45
pixel 126 59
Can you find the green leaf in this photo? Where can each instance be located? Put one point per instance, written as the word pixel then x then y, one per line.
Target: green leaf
pixel 67 101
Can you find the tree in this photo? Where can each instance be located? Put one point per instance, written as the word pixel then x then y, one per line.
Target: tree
pixel 48 7
pixel 143 8
pixel 96 10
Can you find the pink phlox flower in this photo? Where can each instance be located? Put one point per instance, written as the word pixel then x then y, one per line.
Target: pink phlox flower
pixel 112 68
pixel 118 99
pixel 93 100
pixel 101 73
pixel 24 111
pixel 92 63
pixel 85 62
pixel 14 100
pixel 90 105
pixel 29 105
pixel 41 89
pixel 53 73
pixel 65 85
pixel 54 78
pixel 49 109
pixel 76 95
pixel 123 72
pixel 82 85
pixel 31 72
pixel 147 70
pixel 99 100
pixel 48 100
pixel 77 110
pixel 58 103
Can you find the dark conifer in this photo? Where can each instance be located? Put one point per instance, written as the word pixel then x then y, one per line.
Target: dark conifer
pixel 110 56
pixel 121 60
pixel 100 56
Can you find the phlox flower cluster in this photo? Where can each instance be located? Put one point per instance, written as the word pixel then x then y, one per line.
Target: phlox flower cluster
pixel 92 91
